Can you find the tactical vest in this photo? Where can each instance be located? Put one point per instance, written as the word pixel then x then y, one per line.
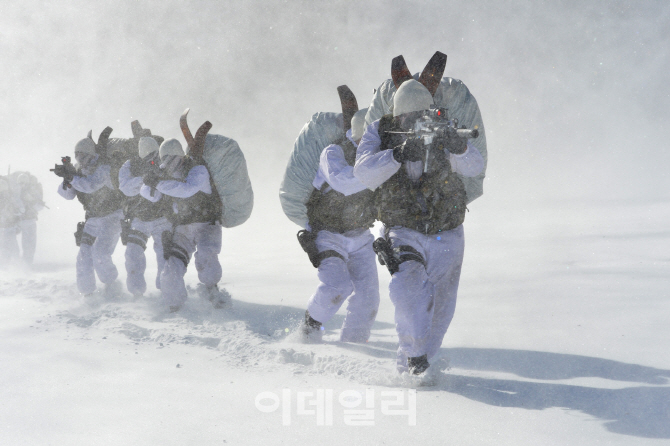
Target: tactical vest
pixel 433 203
pixel 140 207
pixel 333 211
pixel 198 208
pixel 102 202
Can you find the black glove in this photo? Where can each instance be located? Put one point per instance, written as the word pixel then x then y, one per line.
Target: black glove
pixel 151 179
pixel 410 150
pixel 454 143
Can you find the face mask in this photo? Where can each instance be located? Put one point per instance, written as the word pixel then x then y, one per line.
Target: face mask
pixel 85 160
pixel 407 120
pixel 151 160
pixel 172 164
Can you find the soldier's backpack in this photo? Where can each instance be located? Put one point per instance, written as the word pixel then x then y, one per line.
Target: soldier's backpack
pixel 227 170
pixel 323 129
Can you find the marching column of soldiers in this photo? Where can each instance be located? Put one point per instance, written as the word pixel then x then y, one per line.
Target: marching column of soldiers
pixel 412 161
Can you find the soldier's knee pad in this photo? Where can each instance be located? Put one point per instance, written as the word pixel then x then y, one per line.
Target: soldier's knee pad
pixel 87 239
pixel 171 249
pixel 406 253
pixel 138 238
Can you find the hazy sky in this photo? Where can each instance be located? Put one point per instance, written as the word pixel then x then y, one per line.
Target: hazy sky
pixel 574 94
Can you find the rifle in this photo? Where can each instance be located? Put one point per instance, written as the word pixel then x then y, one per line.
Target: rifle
pixel 66 171
pixel 434 126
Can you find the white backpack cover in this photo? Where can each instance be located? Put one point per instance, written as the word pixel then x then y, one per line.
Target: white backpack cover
pixel 322 130
pixel 455 96
pixel 228 168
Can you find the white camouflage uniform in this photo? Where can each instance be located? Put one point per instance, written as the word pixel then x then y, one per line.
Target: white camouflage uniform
pixel 136 261
pixel 97 257
pixel 201 240
pixel 424 297
pixel 355 278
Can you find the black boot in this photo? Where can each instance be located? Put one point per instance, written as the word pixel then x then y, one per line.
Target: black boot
pixel 418 364
pixel 311 329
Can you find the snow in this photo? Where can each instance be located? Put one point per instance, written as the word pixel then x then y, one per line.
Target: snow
pixel 561 329
pixel 560 336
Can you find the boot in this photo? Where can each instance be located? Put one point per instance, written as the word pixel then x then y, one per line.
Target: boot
pixel 418 364
pixel 311 330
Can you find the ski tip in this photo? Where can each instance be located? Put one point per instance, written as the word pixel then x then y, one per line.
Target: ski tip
pixel 432 73
pixel 347 98
pixel 183 123
pixel 349 105
pixel 399 71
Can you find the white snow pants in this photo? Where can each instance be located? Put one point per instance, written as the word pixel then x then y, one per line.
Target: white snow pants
pixel 97 257
pixel 136 262
pixel 425 297
pixel 354 279
pixel 28 230
pixel 206 238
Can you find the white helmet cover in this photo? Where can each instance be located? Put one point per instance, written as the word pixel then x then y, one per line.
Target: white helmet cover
pixel 170 147
pixel 147 146
pixel 22 179
pixel 86 145
pixel 411 96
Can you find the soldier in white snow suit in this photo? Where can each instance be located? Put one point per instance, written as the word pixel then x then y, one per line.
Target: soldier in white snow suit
pixel 91 183
pixel 9 218
pixel 144 218
pixel 29 194
pixel 422 206
pixel 195 215
pixel 340 212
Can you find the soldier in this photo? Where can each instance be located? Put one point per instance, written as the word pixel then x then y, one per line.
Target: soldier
pixel 144 218
pixel 9 218
pixel 422 206
pixel 30 196
pixel 340 212
pixel 195 216
pixel 91 183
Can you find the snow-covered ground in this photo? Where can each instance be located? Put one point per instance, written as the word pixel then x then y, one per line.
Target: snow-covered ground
pixel 560 337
